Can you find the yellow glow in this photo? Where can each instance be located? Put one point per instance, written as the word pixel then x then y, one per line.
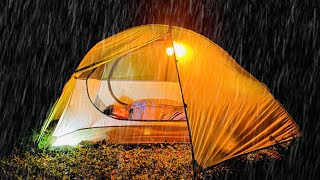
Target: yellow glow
pixel 169 51
pixel 179 50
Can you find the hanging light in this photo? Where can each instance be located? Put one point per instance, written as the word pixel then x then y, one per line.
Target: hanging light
pixel 178 49
pixel 169 51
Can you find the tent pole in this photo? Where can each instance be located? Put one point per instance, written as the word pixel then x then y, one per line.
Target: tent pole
pixel 184 105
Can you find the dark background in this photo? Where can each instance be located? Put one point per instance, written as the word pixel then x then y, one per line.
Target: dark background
pixel 41 44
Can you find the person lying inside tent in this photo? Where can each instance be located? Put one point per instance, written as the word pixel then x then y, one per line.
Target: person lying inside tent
pixel 146 110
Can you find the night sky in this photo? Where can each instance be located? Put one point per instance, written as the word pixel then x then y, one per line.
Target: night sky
pixel 42 43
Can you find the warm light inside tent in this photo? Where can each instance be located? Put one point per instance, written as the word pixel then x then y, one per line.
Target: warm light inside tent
pixel 66 141
pixel 179 50
pixel 169 51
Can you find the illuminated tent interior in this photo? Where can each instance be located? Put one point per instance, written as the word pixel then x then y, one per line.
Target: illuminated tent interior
pixel 228 112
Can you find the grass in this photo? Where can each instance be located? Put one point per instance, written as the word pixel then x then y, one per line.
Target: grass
pixel 111 161
pixel 100 160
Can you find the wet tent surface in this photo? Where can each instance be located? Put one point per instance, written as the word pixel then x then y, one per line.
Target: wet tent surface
pixel 43 42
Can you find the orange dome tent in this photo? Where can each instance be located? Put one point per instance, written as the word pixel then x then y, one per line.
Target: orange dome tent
pixel 229 112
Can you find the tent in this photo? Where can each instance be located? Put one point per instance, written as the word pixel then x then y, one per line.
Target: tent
pixel 228 111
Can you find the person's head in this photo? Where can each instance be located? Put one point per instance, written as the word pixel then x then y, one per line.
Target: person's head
pixel 117 111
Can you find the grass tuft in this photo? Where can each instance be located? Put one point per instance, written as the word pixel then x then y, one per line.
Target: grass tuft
pixel 102 160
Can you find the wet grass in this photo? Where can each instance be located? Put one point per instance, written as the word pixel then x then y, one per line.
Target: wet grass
pixel 112 161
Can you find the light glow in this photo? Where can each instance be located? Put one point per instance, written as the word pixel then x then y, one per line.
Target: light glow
pixel 66 141
pixel 169 51
pixel 178 49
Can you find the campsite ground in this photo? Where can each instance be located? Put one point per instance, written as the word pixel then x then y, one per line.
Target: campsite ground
pixel 110 161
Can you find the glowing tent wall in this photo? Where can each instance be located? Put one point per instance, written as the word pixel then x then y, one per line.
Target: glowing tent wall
pixel 229 111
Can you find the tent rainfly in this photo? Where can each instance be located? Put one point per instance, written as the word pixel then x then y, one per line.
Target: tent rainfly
pixel 228 111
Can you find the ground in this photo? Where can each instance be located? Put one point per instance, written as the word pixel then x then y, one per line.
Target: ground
pixel 111 161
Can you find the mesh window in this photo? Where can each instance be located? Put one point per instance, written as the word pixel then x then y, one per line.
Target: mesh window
pixel 144 82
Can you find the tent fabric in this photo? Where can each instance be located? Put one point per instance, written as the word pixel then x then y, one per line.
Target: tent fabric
pixel 81 115
pixel 229 112
pixel 120 44
pixel 103 52
pixel 59 106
